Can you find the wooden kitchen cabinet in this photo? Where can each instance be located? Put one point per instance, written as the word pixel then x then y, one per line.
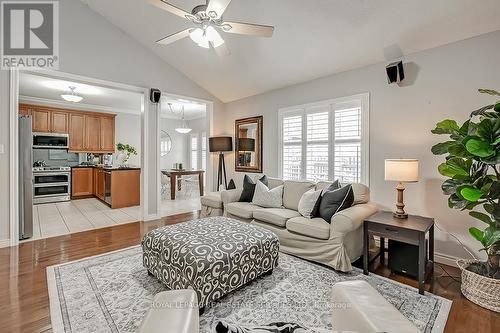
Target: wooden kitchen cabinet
pixel 41 120
pixel 59 122
pixel 89 132
pixel 108 134
pixel 99 183
pixel 92 133
pixel 76 132
pixel 82 182
pixel 125 188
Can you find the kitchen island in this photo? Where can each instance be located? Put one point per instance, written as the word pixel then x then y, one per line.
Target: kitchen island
pixel 115 186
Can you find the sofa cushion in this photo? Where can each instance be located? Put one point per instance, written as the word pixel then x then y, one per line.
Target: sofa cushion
pixel 212 199
pixel 315 227
pixel 249 188
pixel 274 182
pixel 292 192
pixel 241 209
pixel 265 197
pixel 276 216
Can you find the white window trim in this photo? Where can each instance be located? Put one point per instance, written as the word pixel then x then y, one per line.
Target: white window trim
pixel 198 150
pixel 364 98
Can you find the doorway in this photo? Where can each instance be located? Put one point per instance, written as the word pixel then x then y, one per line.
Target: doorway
pixel 184 159
pixel 84 139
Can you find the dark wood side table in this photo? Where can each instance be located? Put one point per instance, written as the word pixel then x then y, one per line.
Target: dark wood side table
pixel 412 230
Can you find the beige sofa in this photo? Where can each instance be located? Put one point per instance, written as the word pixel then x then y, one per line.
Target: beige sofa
pixel 335 244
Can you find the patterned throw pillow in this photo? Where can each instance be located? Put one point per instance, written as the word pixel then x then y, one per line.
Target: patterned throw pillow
pixel 333 202
pixel 249 188
pixel 267 198
pixel 223 327
pixel 308 202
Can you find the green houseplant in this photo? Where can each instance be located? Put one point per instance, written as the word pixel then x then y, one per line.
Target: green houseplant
pixel 127 150
pixel 472 167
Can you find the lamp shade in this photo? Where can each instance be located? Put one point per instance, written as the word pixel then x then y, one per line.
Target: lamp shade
pixel 401 170
pixel 246 144
pixel 220 143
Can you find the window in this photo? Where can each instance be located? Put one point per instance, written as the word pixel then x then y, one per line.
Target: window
pixel 194 151
pixel 325 140
pixel 204 151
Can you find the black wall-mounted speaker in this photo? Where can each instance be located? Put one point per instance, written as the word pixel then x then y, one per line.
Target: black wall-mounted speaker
pixel 395 72
pixel 154 95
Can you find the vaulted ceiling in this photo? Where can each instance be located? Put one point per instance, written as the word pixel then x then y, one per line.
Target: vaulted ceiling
pixel 312 38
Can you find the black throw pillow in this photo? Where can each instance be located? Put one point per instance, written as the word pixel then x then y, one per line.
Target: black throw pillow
pixel 333 202
pixel 333 186
pixel 249 188
pixel 231 185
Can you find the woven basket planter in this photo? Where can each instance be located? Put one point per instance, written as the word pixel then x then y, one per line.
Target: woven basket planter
pixel 483 291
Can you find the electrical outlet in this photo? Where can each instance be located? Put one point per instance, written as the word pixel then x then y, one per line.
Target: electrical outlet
pixel 2 149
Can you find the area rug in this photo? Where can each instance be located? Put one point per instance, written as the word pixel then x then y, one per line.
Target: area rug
pixel 112 292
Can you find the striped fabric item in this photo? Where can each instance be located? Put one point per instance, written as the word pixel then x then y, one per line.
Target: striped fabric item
pixel 223 327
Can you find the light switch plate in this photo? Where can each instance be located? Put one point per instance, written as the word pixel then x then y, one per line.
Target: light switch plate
pixel 2 150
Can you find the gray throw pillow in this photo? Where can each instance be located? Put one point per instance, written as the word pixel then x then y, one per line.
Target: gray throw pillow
pixel 249 188
pixel 333 202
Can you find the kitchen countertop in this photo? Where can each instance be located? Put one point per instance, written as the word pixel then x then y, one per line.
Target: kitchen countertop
pixel 113 168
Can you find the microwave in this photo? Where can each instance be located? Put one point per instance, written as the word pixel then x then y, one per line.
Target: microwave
pixel 51 140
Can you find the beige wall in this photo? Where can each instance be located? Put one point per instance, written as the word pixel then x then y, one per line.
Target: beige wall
pixel 441 83
pixel 93 47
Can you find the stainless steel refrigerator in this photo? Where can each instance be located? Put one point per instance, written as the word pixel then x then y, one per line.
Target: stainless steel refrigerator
pixel 25 177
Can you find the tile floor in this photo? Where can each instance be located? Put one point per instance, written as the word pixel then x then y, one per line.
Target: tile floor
pixel 55 219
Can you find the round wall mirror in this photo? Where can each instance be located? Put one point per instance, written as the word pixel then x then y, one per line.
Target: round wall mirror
pixel 165 143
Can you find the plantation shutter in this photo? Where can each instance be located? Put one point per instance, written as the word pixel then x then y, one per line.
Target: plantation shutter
pixel 347 142
pixel 292 147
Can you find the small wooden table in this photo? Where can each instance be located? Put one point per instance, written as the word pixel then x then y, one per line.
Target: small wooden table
pixel 173 174
pixel 411 231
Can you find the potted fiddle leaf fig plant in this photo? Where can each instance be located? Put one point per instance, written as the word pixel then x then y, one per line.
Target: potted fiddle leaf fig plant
pixel 126 151
pixel 472 166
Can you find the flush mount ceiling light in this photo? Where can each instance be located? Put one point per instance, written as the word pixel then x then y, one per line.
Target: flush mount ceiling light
pixel 208 21
pixel 72 97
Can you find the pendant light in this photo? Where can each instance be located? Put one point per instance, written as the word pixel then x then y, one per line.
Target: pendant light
pixel 183 129
pixel 72 96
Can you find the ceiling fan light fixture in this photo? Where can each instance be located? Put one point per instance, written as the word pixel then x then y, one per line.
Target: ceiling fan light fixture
pixel 72 97
pixel 204 37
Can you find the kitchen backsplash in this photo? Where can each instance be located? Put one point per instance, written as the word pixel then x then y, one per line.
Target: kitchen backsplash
pixel 57 157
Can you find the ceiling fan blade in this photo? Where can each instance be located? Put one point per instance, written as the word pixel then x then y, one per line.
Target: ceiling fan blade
pixel 174 37
pixel 218 7
pixel 169 7
pixel 248 29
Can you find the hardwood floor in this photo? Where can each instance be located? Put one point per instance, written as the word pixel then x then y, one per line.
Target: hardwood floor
pixel 24 298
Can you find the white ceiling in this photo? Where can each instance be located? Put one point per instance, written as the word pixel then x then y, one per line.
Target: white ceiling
pixel 47 90
pixel 311 39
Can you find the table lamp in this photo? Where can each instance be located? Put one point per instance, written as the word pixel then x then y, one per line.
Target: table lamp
pixel 220 144
pixel 401 171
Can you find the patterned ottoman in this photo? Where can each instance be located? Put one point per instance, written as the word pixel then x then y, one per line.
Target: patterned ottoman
pixel 213 256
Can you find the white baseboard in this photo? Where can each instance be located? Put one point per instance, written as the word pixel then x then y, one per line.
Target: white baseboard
pixel 4 243
pixel 445 259
pixel 440 258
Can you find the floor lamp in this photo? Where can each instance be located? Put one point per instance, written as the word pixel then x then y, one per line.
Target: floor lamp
pixel 221 144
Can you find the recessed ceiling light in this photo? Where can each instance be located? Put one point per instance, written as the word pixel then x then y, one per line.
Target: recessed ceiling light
pixel 72 97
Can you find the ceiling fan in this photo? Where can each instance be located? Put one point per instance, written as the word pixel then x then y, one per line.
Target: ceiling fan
pixel 207 20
